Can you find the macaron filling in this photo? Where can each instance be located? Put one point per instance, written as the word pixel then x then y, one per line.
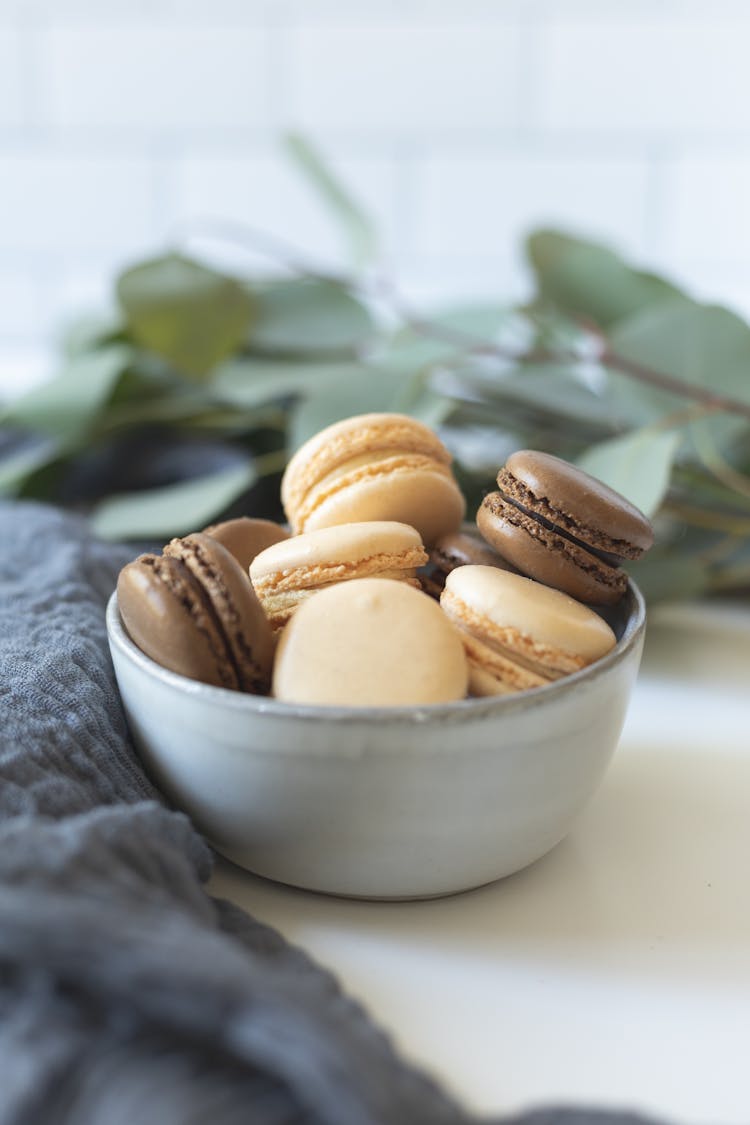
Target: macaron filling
pixel 380 565
pixel 366 436
pixel 551 538
pixel 359 470
pixel 196 558
pixel 610 550
pixel 507 675
pixel 191 595
pixel 545 661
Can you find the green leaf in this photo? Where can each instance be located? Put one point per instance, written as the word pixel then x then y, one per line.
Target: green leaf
pixel 590 281
pixel 367 390
pixel 308 317
pixel 69 404
pixel 16 468
pixel 87 333
pixel 704 345
pixel 453 331
pixel 638 465
pixel 189 314
pixel 670 578
pixel 356 226
pixel 549 389
pixel 250 382
pixel 176 509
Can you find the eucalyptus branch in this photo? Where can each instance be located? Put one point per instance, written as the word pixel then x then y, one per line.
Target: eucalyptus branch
pixel 382 287
pixel 674 385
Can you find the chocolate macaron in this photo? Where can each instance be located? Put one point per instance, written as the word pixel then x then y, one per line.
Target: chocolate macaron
pixel 563 527
pixel 193 610
pixel 457 548
pixel 245 538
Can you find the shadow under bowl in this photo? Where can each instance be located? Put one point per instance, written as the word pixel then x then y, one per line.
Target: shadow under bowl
pixel 406 802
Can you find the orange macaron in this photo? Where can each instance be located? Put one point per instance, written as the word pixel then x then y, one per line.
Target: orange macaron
pixel 373 467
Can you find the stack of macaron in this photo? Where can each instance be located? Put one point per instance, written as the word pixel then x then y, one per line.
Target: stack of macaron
pixel 379 596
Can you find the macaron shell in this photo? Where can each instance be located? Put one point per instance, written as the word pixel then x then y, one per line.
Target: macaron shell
pixel 464 548
pixel 245 538
pixel 168 618
pixel 345 548
pixel 505 609
pixel 592 511
pixel 401 490
pixel 370 643
pixel 540 553
pixel 288 573
pixel 492 673
pixel 350 438
pixel 235 604
pixel 280 604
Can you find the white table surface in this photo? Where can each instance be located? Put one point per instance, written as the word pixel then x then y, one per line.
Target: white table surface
pixel 616 970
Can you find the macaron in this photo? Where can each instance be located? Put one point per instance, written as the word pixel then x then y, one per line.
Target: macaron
pixel 458 548
pixel 193 610
pixel 245 537
pixel 370 643
pixel 517 633
pixel 557 524
pixel 373 467
pixel 291 571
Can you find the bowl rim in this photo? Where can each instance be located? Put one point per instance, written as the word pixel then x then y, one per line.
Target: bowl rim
pixel 478 708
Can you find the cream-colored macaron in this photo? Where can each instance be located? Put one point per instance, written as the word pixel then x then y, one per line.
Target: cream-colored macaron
pixel 519 634
pixel 370 643
pixel 373 467
pixel 289 572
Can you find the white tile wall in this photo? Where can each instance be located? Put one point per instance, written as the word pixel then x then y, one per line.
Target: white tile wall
pixel 405 77
pixel 658 75
pixel 265 192
pixel 11 78
pixel 459 125
pixel 153 77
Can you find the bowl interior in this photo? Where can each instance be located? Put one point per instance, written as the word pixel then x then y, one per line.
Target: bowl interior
pixel 627 620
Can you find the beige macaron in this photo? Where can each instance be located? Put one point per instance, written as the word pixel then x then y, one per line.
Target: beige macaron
pixel 373 467
pixel 519 634
pixel 370 643
pixel 289 572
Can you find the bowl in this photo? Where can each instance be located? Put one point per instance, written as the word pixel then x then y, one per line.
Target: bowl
pixel 395 803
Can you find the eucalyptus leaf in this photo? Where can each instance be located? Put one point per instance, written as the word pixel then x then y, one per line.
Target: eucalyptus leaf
pixel 87 333
pixel 590 281
pixel 368 390
pixel 189 314
pixel 453 331
pixel 704 345
pixel 670 577
pixel 17 466
pixel 549 389
pixel 638 465
pixel 176 509
pixel 68 405
pixel 357 228
pixel 308 317
pixel 250 381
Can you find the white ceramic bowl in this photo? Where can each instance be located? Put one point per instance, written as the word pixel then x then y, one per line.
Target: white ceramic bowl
pixel 387 803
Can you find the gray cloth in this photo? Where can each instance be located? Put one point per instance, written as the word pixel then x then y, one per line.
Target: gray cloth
pixel 127 994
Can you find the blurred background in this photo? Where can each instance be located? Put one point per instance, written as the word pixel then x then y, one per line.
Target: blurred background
pixel 458 126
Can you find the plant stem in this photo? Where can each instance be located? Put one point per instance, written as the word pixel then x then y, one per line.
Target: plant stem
pixel 673 384
pixel 382 287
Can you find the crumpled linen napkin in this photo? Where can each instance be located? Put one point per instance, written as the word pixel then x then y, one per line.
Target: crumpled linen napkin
pixel 127 994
